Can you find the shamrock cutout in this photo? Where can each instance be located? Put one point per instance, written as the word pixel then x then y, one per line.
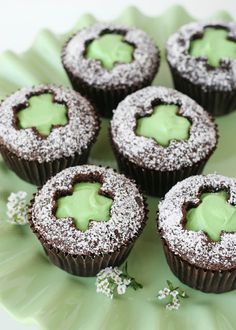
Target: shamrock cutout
pixel 214 45
pixel 42 114
pixel 110 48
pixel 84 204
pixel 164 125
pixel 213 215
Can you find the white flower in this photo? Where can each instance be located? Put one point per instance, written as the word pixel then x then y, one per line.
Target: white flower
pixel 121 289
pixel 174 293
pixel 113 280
pixel 169 306
pixel 118 280
pixel 126 281
pixel 172 306
pixel 176 305
pixel 103 287
pixel 17 208
pixel 174 296
pixel 22 194
pixel 161 295
pixel 166 291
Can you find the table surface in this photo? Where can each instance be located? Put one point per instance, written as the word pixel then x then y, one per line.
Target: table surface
pixel 21 20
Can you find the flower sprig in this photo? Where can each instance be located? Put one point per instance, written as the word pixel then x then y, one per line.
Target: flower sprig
pixel 174 294
pixel 17 208
pixel 114 280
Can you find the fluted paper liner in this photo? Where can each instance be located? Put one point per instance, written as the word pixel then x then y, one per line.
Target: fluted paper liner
pixel 38 173
pixel 217 281
pixel 217 103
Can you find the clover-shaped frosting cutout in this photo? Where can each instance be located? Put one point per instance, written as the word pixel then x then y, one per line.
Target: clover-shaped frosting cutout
pixel 213 215
pixel 109 49
pixel 84 204
pixel 42 114
pixel 164 125
pixel 214 45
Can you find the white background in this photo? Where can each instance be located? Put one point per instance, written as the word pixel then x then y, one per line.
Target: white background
pixel 20 20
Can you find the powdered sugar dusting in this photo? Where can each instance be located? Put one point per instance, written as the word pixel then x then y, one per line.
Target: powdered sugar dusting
pixel 145 62
pixel 193 246
pixel 146 151
pixel 64 141
pixel 196 69
pixel 126 222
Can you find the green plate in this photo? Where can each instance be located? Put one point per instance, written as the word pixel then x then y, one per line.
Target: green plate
pixel 32 289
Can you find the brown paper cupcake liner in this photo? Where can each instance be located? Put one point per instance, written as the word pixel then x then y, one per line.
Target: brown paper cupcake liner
pixel 217 103
pixel 104 100
pixel 214 281
pixel 153 182
pixel 38 173
pixel 86 266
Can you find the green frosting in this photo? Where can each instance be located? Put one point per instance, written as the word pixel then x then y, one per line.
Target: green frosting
pixel 110 48
pixel 42 114
pixel 84 204
pixel 214 45
pixel 213 215
pixel 164 125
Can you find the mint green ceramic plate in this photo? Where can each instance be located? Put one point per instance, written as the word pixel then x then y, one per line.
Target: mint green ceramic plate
pixel 32 289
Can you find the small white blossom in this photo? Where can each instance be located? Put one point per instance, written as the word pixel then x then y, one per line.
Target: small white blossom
pixel 121 289
pixel 17 208
pixel 169 306
pixel 161 295
pixel 126 281
pixel 166 291
pixel 174 295
pixel 176 305
pixel 172 306
pixel 113 280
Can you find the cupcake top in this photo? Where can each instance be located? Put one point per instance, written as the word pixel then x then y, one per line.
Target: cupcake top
pixel 197 220
pixel 205 54
pixel 88 210
pixel 111 55
pixel 47 122
pixel 161 129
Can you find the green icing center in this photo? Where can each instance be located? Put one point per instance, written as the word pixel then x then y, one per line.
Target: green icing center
pixel 213 215
pixel 42 114
pixel 84 204
pixel 213 45
pixel 164 125
pixel 110 48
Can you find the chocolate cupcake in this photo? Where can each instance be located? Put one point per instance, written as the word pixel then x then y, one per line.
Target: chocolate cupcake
pixel 106 62
pixel 161 136
pixel 197 224
pixel 202 59
pixel 88 218
pixel 45 129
